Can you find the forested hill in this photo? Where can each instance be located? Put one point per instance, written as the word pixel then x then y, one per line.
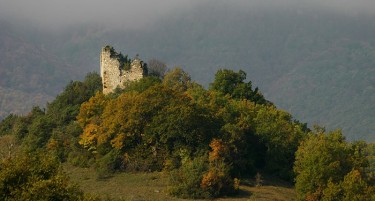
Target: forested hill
pixel 207 143
pixel 317 64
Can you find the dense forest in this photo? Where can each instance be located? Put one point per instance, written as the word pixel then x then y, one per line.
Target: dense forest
pixel 207 139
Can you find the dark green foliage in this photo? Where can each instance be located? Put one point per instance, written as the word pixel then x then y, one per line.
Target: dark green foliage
pixel 6 125
pixel 35 176
pixel 179 125
pixel 108 164
pixel 33 129
pixel 55 129
pixel 281 137
pixel 65 107
pixel 19 128
pixel 39 132
pixel 227 82
pixel 232 83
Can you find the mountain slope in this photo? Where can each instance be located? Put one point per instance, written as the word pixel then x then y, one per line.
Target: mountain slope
pixel 316 63
pixel 29 75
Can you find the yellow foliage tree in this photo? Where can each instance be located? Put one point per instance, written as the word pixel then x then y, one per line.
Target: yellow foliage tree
pixel 91 110
pixel 89 137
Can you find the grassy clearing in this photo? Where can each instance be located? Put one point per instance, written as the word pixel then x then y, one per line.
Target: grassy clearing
pixel 153 187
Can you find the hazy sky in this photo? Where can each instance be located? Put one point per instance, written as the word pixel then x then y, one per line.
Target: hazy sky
pixel 137 13
pixel 63 12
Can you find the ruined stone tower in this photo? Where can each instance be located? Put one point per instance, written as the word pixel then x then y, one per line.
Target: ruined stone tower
pixel 116 69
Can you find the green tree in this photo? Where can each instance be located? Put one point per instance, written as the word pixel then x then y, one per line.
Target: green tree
pixel 238 130
pixel 236 120
pixel 39 132
pixel 281 137
pixel 7 124
pixel 323 160
pixel 65 107
pixel 232 83
pixel 182 124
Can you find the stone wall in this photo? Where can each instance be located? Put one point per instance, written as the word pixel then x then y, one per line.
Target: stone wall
pixel 114 71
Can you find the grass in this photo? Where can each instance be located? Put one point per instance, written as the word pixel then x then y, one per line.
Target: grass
pixel 154 186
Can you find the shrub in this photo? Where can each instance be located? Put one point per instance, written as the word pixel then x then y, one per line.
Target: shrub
pixel 35 176
pixel 186 181
pixel 205 176
pixel 217 181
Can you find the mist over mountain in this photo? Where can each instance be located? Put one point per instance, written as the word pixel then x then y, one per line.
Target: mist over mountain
pixel 315 60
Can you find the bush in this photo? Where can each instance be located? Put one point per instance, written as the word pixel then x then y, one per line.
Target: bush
pixel 35 176
pixel 217 181
pixel 186 181
pixel 205 176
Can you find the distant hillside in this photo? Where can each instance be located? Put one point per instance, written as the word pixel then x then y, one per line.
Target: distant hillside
pixel 316 64
pixel 19 102
pixel 32 70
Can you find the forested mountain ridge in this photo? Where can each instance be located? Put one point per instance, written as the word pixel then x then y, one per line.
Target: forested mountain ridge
pixel 315 63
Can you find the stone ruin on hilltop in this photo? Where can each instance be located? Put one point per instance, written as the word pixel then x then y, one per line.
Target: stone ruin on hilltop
pixel 116 69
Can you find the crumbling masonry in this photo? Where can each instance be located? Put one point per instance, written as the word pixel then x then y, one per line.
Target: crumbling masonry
pixel 116 69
